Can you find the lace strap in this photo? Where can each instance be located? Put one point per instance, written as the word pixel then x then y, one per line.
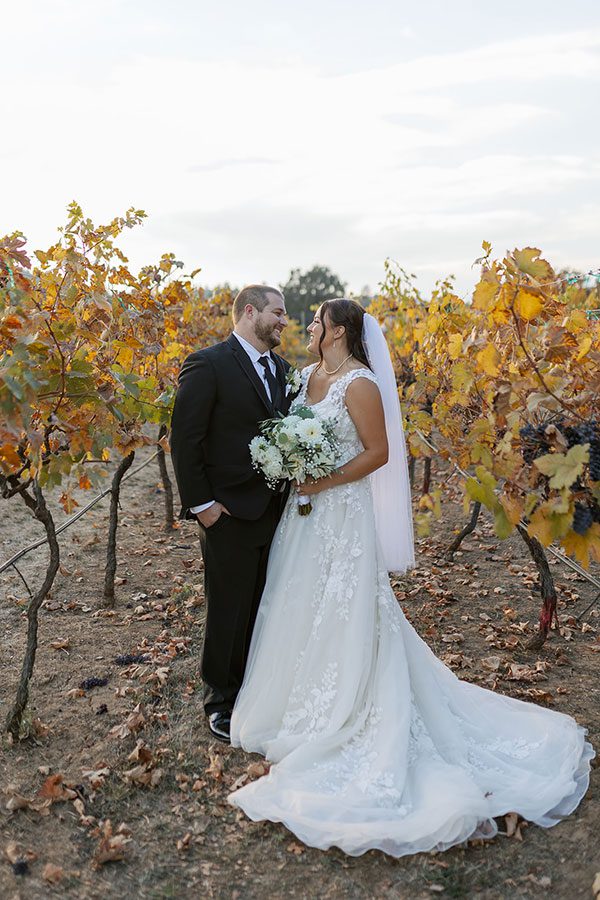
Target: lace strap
pixel 358 373
pixel 339 387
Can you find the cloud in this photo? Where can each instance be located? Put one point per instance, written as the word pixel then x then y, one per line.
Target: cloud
pixel 253 169
pixel 228 163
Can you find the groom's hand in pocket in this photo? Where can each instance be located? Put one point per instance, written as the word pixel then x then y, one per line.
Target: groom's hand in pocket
pixel 209 516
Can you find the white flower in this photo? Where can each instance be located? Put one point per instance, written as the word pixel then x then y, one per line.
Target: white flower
pixel 293 381
pixel 272 463
pixel 258 449
pixel 310 431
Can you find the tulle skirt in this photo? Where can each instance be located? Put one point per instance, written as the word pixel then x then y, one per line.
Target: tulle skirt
pixel 375 743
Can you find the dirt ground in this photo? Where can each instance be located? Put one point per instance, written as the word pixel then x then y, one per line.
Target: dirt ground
pixel 141 777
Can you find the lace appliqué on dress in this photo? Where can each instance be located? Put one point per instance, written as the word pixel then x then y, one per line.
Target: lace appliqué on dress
pixel 309 706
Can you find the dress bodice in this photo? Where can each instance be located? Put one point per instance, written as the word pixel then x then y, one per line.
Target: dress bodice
pixel 333 407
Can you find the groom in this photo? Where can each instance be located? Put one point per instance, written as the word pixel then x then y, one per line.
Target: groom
pixel 224 392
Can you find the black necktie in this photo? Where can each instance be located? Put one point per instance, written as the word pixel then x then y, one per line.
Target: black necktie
pixel 271 381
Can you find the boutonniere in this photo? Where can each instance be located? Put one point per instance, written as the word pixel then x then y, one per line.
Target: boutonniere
pixel 293 381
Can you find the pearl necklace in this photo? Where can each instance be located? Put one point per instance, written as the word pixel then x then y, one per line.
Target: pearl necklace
pixel 327 372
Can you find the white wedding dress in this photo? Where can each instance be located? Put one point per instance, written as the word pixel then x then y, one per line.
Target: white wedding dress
pixel 375 743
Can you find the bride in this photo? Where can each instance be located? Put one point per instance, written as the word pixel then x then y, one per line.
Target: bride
pixel 375 743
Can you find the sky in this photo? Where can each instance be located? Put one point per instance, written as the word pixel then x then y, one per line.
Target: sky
pixel 265 136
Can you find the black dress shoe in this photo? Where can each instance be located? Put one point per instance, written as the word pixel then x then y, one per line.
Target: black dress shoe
pixel 219 724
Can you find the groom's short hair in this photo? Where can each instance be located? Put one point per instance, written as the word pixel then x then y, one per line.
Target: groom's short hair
pixel 257 295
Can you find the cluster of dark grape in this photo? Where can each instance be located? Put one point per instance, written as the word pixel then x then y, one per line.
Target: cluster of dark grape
pixel 583 518
pixel 587 433
pixel 534 443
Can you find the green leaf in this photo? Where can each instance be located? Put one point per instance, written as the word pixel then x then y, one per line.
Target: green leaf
pixel 14 387
pixel 564 468
pixel 482 489
pixel 502 524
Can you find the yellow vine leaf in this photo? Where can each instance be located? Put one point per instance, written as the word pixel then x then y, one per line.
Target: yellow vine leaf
pixel 577 321
pixel 485 291
pixel 549 523
pixel 488 360
pixel 10 457
pixel 462 379
pixel 582 546
pixel 529 261
pixel 455 343
pixel 564 468
pixel 584 346
pixel 125 357
pixel 528 305
pixel 513 509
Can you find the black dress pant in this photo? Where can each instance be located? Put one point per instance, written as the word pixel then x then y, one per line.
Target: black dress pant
pixel 235 553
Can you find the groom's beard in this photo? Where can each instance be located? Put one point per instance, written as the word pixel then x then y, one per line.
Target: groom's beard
pixel 268 336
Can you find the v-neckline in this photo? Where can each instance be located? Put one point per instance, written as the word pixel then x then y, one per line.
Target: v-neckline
pixel 325 396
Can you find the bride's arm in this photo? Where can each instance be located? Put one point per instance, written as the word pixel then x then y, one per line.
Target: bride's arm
pixel 363 402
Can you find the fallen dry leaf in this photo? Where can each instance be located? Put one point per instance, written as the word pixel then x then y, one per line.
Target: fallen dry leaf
pixel 215 767
pixel 52 874
pixel 514 824
pixel 143 776
pixel 96 777
pixel 53 789
pixel 243 778
pixel 544 882
pixel 134 722
pixel 492 663
pixel 61 644
pixel 16 801
pixel 112 846
pixel 15 853
pixel 39 728
pixel 184 842
pixel 258 769
pixel 521 672
pixel 141 753
pixel 295 848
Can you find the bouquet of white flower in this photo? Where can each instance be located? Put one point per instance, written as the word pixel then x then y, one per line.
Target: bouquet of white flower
pixel 295 447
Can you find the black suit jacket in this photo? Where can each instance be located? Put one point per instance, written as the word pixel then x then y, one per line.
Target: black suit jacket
pixel 220 402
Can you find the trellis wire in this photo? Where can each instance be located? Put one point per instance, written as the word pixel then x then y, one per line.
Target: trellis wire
pixel 556 553
pixel 68 522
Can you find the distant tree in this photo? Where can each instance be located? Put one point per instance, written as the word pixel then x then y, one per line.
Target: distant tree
pixel 307 289
pixel 365 296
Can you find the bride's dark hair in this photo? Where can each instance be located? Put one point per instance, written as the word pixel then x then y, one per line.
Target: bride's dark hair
pixel 349 314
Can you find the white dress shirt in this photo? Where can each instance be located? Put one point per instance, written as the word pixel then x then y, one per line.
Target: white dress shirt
pixel 254 355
